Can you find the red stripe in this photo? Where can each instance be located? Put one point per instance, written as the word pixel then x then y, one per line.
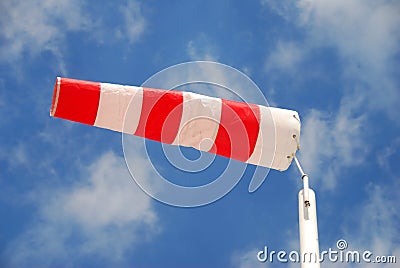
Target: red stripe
pixel 78 100
pixel 161 115
pixel 238 130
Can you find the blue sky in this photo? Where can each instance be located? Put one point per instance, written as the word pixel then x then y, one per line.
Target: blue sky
pixel 67 199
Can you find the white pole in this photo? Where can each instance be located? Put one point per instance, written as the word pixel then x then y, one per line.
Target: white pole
pixel 309 246
pixel 308 226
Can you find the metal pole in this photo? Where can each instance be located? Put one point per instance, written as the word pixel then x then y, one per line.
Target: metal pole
pixel 309 246
pixel 304 177
pixel 308 226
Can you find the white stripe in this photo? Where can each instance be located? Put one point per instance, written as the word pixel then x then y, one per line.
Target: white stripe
pixel 275 141
pixel 287 135
pixel 56 95
pixel 113 105
pixel 200 121
pixel 263 153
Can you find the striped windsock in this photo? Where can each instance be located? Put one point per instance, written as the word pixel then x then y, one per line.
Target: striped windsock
pixel 249 133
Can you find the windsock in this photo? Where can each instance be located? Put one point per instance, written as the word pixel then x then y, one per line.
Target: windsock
pixel 249 133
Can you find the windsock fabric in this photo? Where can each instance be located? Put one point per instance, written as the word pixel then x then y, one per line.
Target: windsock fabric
pixel 249 133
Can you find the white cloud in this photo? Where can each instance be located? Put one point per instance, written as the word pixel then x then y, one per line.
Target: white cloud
pixel 366 34
pixel 286 57
pixel 331 143
pixel 285 9
pixel 29 28
pixel 35 26
pixel 111 191
pixel 105 215
pixel 384 156
pixel 378 219
pixel 377 223
pixel 18 156
pixel 201 49
pixel 135 23
pixel 362 30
